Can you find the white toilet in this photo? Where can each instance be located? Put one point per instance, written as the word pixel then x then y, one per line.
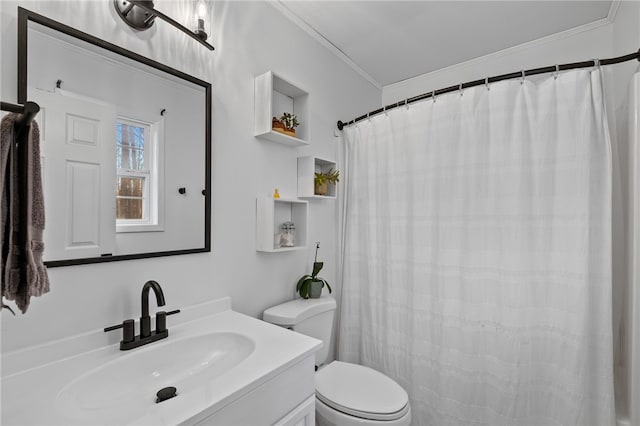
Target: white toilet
pixel 346 394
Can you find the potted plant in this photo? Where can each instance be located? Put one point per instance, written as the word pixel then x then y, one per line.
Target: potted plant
pixel 322 179
pixel 286 124
pixel 310 286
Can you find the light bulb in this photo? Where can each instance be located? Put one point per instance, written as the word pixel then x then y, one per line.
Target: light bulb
pixel 201 14
pixel 201 10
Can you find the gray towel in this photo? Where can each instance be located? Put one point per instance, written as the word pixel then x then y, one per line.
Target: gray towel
pixel 22 270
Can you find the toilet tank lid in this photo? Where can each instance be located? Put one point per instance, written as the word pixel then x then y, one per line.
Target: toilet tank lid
pixel 297 310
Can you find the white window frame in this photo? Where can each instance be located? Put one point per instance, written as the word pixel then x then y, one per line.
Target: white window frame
pixel 153 205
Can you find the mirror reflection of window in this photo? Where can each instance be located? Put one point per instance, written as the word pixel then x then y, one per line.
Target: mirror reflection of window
pixel 138 175
pixel 132 189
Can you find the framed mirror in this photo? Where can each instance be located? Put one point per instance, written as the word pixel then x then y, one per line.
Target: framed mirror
pixel 125 144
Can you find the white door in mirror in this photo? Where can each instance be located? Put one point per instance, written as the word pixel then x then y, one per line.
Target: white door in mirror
pixel 78 175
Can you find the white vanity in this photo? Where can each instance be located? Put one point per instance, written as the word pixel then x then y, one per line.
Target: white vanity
pixel 228 369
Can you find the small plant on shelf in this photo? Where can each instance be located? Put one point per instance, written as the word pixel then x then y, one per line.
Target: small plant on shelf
pixel 286 124
pixel 322 179
pixel 290 121
pixel 310 286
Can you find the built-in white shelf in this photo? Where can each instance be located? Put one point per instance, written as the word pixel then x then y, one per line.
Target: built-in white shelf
pixel 271 213
pixel 307 167
pixel 274 96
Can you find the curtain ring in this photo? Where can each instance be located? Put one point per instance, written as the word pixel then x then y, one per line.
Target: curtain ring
pixel 596 63
pixel 433 96
pixel 384 109
pixel 486 83
pixel 460 89
pixel 522 78
pixel 406 103
pixel 368 117
pixel 555 74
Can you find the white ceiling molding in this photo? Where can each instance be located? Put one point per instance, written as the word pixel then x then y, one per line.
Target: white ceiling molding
pixel 613 10
pixel 284 10
pixel 278 5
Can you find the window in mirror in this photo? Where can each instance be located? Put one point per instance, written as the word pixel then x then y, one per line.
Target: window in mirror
pixel 139 176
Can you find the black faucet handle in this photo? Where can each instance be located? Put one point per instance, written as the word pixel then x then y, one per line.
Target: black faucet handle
pixel 128 330
pixel 113 327
pixel 161 320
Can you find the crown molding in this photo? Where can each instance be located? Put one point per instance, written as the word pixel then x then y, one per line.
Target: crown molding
pixel 613 11
pixel 284 10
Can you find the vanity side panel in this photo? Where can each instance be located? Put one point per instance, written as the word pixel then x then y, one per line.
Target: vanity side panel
pixel 269 402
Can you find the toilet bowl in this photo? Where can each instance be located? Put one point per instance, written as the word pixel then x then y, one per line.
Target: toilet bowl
pixel 351 394
pixel 346 394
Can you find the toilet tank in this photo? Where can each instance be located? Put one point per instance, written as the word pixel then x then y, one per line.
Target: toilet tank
pixel 311 317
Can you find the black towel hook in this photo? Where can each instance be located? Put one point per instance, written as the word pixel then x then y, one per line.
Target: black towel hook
pixel 3 306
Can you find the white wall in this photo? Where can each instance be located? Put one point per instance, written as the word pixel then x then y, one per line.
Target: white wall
pixel 250 38
pixel 626 38
pixel 617 36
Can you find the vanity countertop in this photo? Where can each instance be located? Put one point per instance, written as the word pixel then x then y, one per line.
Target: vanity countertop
pixel 38 394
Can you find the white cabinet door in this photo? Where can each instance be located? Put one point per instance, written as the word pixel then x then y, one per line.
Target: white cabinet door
pixel 303 415
pixel 78 157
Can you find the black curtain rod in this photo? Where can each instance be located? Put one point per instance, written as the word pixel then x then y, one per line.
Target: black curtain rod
pixel 28 111
pixel 510 76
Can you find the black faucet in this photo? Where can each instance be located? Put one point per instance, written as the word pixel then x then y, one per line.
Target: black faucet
pixel 145 320
pixel 129 340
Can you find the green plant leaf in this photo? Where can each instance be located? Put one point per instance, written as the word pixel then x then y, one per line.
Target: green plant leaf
pixel 304 289
pixel 328 286
pixel 317 266
pixel 302 280
pixel 319 179
pixel 331 176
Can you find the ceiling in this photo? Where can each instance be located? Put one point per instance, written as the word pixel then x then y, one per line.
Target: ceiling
pixel 390 41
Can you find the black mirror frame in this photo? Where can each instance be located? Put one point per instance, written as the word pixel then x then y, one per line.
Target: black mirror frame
pixel 24 16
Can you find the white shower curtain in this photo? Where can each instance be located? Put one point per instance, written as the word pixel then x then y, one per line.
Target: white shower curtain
pixel 476 258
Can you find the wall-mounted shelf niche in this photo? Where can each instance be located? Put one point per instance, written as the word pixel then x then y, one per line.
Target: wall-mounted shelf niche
pixel 271 214
pixel 274 96
pixel 307 167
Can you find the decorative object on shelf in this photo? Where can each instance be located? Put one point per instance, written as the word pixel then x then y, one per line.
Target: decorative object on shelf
pixel 271 213
pixel 310 286
pixel 288 234
pixel 286 124
pixel 276 194
pixel 308 166
pixel 274 95
pixel 322 179
pixel 141 14
pixel 290 121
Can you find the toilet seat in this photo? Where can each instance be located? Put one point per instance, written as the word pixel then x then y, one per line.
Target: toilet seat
pixel 361 392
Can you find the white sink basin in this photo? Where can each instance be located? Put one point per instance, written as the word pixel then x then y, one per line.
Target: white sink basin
pixel 220 361
pixel 126 387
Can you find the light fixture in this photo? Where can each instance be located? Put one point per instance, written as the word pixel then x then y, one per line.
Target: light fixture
pixel 201 15
pixel 141 14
